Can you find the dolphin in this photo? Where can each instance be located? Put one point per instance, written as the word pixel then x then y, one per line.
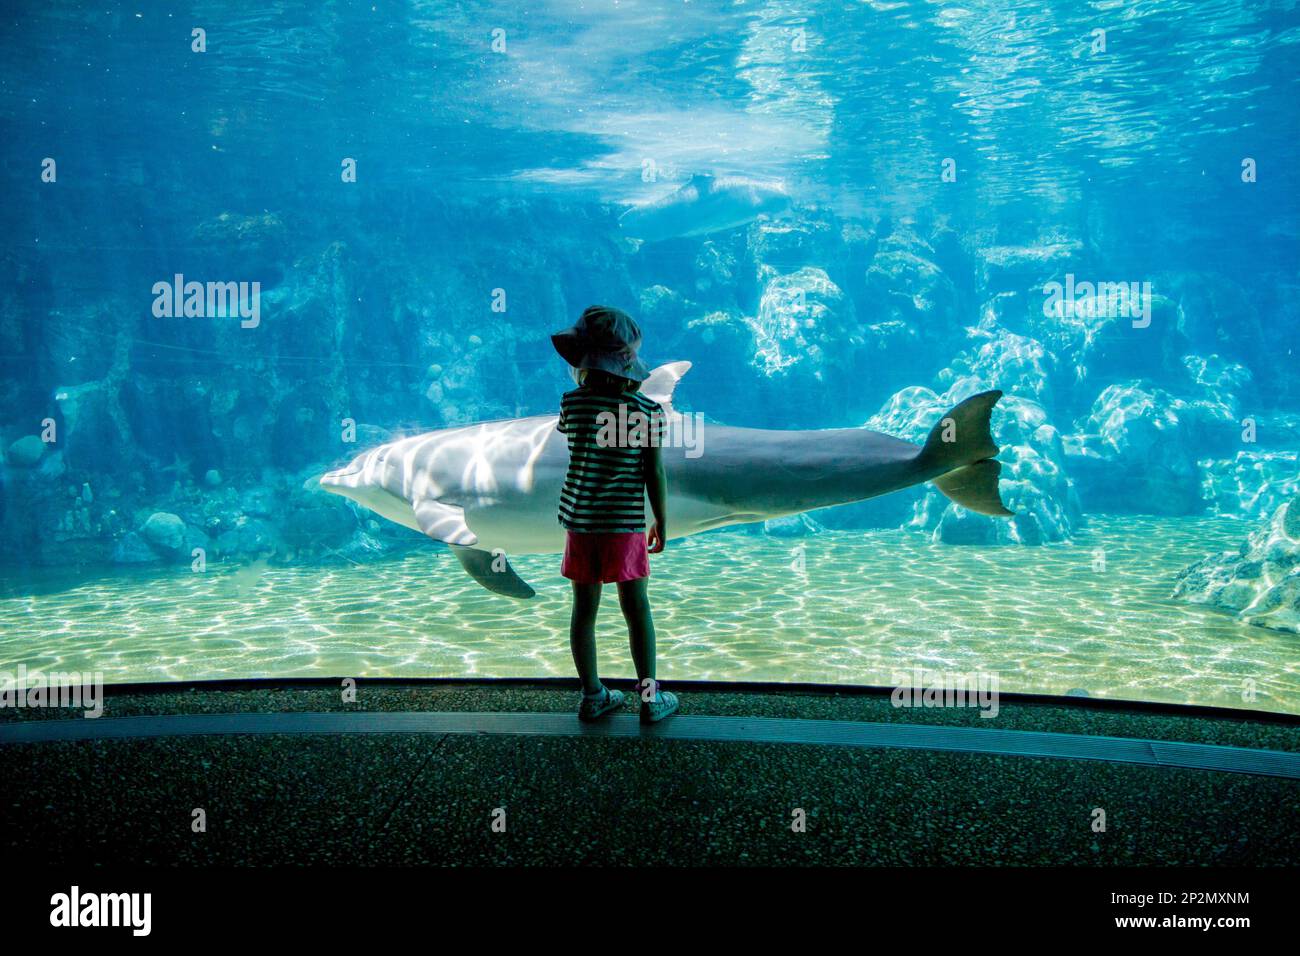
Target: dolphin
pixel 491 489
pixel 704 205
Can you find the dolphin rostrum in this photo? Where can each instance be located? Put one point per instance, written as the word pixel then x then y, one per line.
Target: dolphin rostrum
pixel 702 206
pixel 491 489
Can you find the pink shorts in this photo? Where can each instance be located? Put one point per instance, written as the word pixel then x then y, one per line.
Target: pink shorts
pixel 605 558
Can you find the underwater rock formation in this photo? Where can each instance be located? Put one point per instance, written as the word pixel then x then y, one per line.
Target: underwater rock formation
pixel 1260 581
pixel 804 324
pixel 45 518
pixel 133 549
pixel 1218 393
pixel 1145 449
pixel 248 537
pixel 805 336
pixel 1016 364
pixel 784 246
pixel 26 452
pixel 312 522
pixel 164 531
pixel 1254 483
pixel 913 308
pixel 1093 343
pixel 722 340
pixel 93 420
pixel 256 245
pixel 1103 344
pixel 1015 268
pixel 1033 484
pixel 1217 315
pixel 1135 453
pixel 715 271
pixel 165 536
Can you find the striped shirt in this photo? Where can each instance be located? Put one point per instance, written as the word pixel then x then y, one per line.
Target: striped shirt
pixel 604 489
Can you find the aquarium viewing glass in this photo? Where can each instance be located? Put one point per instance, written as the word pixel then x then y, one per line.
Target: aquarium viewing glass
pixel 243 247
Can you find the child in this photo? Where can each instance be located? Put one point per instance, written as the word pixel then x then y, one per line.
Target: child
pixel 614 463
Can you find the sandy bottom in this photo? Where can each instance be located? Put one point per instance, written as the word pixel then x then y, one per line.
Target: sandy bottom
pixel 842 607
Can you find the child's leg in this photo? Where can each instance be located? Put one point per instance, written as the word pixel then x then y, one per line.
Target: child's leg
pixel 582 634
pixel 634 601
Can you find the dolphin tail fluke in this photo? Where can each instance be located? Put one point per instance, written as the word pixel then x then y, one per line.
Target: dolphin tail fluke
pixel 962 445
pixel 975 487
pixel 492 571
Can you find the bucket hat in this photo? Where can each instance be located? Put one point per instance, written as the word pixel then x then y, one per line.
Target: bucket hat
pixel 603 338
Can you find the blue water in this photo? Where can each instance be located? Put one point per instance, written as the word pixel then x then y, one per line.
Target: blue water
pixel 944 164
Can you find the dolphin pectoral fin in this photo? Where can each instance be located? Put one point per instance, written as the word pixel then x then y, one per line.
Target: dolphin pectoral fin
pixel 975 487
pixel 492 571
pixel 443 522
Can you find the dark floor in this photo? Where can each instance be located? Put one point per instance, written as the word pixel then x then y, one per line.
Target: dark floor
pixel 420 799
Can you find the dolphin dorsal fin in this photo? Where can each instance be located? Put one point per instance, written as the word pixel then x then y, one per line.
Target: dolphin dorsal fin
pixel 659 386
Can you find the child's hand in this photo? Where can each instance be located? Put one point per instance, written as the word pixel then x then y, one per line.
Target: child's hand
pixel 655 538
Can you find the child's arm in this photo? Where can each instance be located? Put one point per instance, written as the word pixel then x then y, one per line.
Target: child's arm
pixel 656 484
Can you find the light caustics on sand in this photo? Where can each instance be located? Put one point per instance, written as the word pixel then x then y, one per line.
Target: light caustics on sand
pixel 728 607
